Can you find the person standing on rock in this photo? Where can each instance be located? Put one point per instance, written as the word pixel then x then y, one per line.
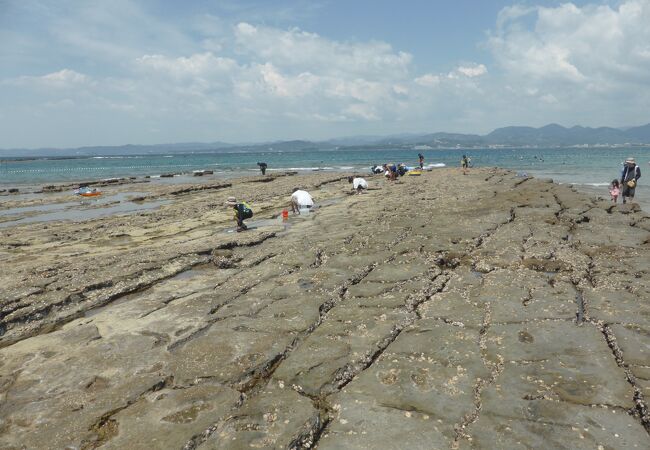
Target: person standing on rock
pixel 615 190
pixel 629 178
pixel 242 212
pixel 300 200
pixel 465 164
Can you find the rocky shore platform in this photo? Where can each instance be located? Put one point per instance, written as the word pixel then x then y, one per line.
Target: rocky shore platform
pixel 442 311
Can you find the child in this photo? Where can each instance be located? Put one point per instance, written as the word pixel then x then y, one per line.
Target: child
pixel 614 190
pixel 242 211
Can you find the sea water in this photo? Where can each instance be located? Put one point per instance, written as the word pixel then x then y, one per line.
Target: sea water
pixel 595 167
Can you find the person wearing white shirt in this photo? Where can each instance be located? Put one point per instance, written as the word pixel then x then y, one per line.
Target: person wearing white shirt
pixel 358 184
pixel 301 199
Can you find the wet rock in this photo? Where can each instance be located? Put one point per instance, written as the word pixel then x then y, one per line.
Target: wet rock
pixel 448 321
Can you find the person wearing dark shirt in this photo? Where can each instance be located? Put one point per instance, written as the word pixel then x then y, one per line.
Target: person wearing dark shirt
pixel 242 212
pixel 629 178
pixel 465 162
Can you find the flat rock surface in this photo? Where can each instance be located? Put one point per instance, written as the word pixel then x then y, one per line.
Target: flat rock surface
pixel 440 311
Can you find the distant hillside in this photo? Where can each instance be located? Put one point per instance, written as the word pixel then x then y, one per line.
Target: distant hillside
pixel 555 135
pixel 283 146
pixel 552 135
pixel 642 133
pixel 128 149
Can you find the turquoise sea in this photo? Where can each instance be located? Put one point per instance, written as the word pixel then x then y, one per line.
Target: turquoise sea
pixel 594 167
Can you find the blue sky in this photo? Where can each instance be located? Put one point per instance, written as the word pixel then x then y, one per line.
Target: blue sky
pixel 77 72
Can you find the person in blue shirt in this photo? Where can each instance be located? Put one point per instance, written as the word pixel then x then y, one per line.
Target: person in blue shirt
pixel 391 170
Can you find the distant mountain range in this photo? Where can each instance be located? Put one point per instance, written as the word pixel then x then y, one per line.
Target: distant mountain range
pixel 552 135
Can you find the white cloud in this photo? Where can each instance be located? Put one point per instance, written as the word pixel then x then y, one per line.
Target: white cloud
pixel 200 78
pixel 574 64
pixel 592 46
pixel 459 74
pixel 362 111
pixel 549 98
pixel 511 13
pixel 277 84
pixel 428 80
pixel 60 104
pixel 294 73
pixel 197 65
pixel 472 71
pixel 212 76
pixel 295 49
pixel 297 74
pixel 65 76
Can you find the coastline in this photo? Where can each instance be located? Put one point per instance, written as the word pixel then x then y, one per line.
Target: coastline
pixel 428 313
pixel 574 165
pixel 122 189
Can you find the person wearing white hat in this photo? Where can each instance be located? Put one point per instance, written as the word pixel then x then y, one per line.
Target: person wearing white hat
pixel 242 211
pixel 629 178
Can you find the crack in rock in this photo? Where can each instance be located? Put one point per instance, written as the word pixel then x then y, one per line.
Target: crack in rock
pixel 105 428
pixel 311 432
pixel 641 407
pixel 252 382
pixel 121 289
pixel 495 369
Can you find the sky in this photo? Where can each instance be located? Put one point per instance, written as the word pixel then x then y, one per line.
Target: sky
pixel 90 72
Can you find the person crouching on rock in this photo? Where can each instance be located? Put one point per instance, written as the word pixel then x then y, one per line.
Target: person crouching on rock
pixel 629 178
pixel 300 199
pixel 242 212
pixel 391 171
pixel 358 184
